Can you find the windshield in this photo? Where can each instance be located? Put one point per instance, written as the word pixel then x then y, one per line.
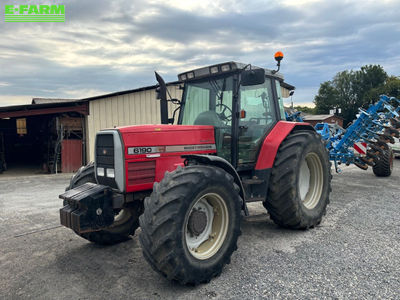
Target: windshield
pixel 209 102
pixel 213 96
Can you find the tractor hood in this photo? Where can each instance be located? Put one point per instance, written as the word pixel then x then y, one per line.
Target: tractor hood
pixel 151 150
pixel 165 137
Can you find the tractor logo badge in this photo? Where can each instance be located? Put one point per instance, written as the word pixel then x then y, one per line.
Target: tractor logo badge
pixel 34 13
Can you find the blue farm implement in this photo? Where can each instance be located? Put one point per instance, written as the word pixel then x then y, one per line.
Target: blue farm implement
pixel 375 128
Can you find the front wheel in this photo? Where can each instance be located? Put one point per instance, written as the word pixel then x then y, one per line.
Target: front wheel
pixel 300 181
pixel 126 221
pixel 191 223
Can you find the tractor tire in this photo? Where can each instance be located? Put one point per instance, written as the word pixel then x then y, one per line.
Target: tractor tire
pixel 300 181
pixel 84 175
pixel 384 166
pixel 126 220
pixel 191 224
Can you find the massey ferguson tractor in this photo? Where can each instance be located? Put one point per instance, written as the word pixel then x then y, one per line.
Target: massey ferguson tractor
pixel 187 185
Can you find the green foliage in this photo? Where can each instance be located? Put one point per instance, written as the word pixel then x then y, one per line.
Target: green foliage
pixel 390 88
pixel 350 90
pixel 326 99
pixel 305 109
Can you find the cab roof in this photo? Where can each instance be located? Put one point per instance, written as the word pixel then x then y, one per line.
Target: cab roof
pixel 222 68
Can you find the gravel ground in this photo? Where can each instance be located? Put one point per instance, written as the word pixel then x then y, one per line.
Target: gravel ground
pixel 354 253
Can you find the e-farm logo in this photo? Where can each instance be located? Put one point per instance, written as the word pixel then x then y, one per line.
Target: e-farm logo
pixel 34 13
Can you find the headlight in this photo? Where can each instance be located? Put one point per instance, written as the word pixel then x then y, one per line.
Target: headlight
pixel 225 68
pixel 190 75
pixel 110 173
pixel 100 171
pixel 214 70
pixel 183 77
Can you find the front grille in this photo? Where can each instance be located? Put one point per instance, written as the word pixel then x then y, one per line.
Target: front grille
pixel 141 172
pixel 105 157
pixel 105 150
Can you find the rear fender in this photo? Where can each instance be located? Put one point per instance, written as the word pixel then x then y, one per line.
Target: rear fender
pixel 217 161
pixel 274 139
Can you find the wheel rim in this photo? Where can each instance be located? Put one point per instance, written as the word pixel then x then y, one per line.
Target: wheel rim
pixel 311 180
pixel 204 239
pixel 122 217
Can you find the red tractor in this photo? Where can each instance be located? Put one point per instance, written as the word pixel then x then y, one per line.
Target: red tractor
pixel 187 185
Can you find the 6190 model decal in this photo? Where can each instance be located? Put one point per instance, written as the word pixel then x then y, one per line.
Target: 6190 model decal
pixel 142 150
pixel 163 149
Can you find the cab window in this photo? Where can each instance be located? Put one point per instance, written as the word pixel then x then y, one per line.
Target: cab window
pixel 209 102
pixel 260 116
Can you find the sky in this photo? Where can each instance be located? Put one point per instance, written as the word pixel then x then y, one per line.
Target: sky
pixel 109 46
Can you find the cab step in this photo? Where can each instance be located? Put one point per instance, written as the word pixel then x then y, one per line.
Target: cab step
pixel 255 199
pixel 252 181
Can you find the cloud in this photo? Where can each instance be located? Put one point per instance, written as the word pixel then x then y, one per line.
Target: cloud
pixel 107 46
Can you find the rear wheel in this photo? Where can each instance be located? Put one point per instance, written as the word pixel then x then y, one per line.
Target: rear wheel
pixel 126 220
pixel 300 181
pixel 384 166
pixel 191 223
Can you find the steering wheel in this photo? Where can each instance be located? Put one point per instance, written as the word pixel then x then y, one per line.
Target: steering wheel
pixel 222 113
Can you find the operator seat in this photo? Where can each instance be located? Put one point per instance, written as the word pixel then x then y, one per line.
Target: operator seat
pixel 210 117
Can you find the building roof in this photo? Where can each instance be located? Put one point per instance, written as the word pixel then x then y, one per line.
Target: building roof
pixel 150 87
pixel 45 108
pixel 51 100
pixel 319 117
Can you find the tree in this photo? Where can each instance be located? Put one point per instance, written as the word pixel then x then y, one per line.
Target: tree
pixel 350 90
pixel 372 77
pixel 326 99
pixel 390 88
pixel 305 109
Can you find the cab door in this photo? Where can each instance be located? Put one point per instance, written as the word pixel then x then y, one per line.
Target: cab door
pixel 259 114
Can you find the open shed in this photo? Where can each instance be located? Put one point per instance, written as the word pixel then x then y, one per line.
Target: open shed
pixel 45 137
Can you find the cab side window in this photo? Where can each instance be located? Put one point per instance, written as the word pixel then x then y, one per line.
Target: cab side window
pixel 257 102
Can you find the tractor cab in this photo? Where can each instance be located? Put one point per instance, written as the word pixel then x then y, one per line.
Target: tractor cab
pixel 242 102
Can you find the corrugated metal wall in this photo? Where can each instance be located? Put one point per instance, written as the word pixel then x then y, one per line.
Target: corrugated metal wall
pixel 129 109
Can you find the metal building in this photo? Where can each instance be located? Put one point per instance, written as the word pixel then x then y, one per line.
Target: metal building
pixel 332 119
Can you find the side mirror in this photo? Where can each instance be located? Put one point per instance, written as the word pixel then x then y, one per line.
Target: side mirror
pixel 253 77
pixel 161 94
pixel 161 90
